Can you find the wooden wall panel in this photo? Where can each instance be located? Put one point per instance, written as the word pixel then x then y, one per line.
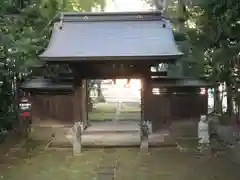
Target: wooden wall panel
pixel 164 108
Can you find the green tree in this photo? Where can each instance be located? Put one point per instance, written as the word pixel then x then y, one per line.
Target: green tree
pixel 217 33
pixel 25 29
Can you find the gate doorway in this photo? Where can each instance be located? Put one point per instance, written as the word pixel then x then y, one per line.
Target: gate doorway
pixel 114 103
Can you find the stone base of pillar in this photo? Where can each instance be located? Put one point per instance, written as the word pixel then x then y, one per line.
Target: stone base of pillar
pixel 144 146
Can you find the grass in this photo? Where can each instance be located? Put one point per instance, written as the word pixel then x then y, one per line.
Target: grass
pixel 111 107
pixel 164 164
pixel 53 165
pixel 170 164
pixel 107 111
pixel 99 116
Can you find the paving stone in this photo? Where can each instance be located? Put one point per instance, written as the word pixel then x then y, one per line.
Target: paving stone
pixel 106 170
pixel 107 166
pixel 105 177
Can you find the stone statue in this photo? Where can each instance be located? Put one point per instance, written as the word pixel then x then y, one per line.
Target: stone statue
pixel 145 131
pixel 144 138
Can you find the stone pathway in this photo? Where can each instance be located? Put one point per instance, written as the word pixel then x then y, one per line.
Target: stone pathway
pixel 144 165
pixel 107 166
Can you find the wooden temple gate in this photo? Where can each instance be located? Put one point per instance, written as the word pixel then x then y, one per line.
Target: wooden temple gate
pixel 160 107
pixel 118 45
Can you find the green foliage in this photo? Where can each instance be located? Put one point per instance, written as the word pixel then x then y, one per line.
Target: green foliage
pixel 25 28
pixel 217 35
pixel 208 32
pixel 181 12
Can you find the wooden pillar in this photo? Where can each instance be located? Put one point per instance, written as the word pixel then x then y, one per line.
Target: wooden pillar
pixel 84 102
pixel 142 100
pixel 144 140
pixel 33 103
pixel 146 93
pixel 77 104
pixel 80 103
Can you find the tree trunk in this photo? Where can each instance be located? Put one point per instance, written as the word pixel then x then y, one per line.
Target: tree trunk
pixel 229 99
pixel 237 113
pixel 89 99
pixel 217 101
pixel 99 90
pixel 181 16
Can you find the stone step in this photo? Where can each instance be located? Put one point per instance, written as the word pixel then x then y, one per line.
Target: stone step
pixel 103 140
pixel 92 132
pixel 112 139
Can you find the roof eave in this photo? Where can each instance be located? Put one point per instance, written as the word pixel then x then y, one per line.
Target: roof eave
pixel 111 58
pixel 39 84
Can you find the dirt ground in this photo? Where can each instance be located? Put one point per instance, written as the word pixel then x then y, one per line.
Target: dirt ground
pixel 34 163
pixel 120 164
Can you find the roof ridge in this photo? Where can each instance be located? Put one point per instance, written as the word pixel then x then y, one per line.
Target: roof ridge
pixel 110 16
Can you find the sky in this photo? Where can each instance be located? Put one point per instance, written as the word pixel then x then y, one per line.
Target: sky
pixel 126 5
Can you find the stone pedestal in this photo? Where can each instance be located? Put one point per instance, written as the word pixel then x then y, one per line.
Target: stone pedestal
pixel 77 138
pixel 144 146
